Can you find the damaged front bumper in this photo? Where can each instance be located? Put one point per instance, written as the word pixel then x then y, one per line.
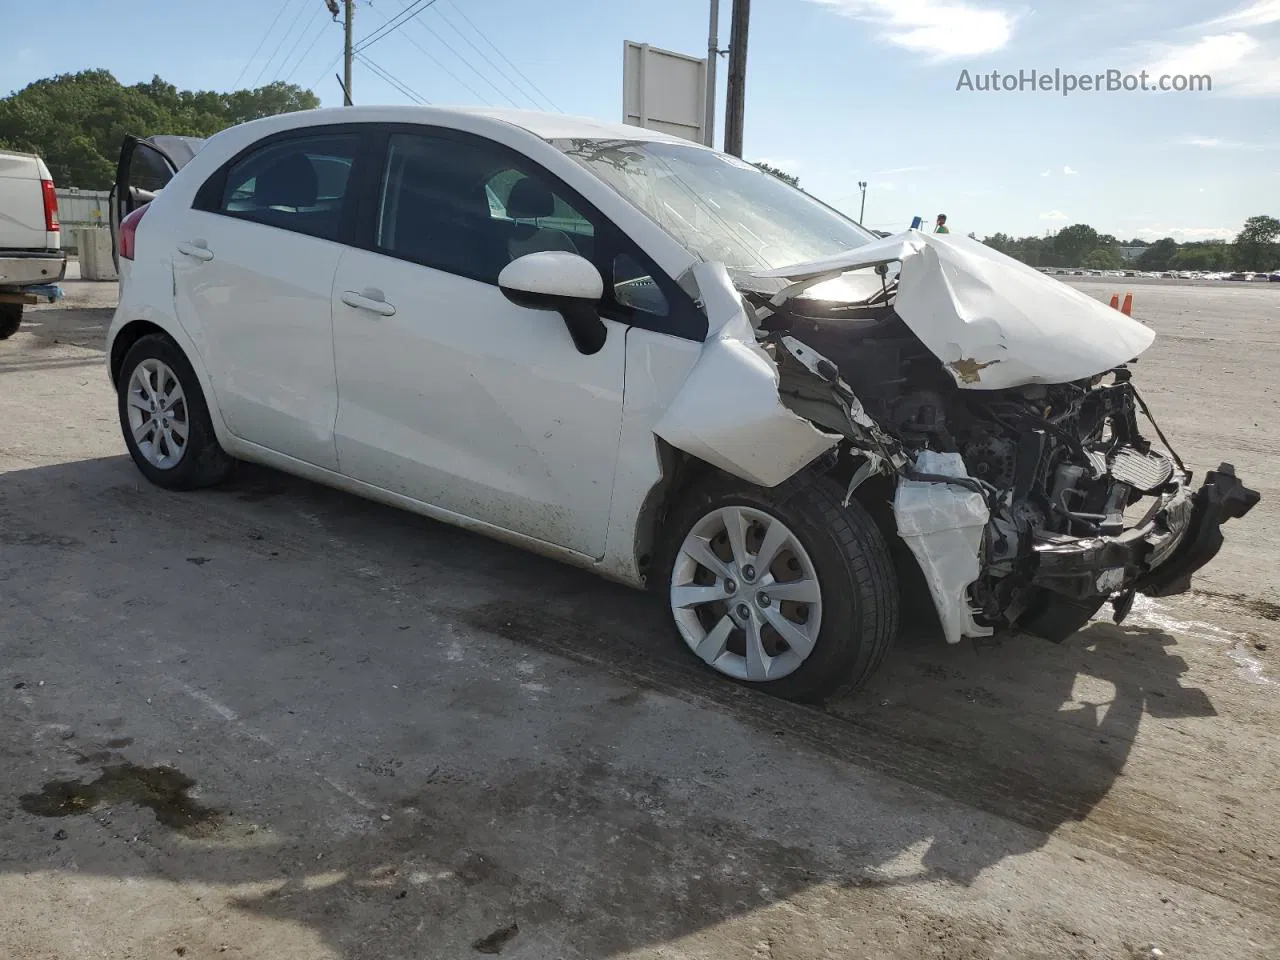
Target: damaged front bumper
pixel 1157 557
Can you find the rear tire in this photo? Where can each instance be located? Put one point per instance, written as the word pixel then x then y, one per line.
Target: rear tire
pixel 847 631
pixel 10 319
pixel 157 374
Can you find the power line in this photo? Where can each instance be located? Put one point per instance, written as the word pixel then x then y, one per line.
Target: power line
pixel 399 20
pixel 261 43
pixel 470 66
pixel 436 60
pixel 507 59
pixel 302 33
pixel 325 72
pixel 506 76
pixel 307 52
pixel 389 78
pixel 283 37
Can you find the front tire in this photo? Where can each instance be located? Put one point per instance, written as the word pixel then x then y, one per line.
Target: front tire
pixel 783 589
pixel 10 319
pixel 165 419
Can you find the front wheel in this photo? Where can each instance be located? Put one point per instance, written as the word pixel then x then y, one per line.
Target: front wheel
pixel 165 419
pixel 784 589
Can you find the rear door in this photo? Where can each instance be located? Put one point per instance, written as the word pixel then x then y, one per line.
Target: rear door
pixel 142 171
pixel 253 266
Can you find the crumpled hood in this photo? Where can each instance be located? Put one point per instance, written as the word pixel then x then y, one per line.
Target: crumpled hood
pixel 993 321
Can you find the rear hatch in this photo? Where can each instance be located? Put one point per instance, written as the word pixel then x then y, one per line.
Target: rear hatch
pixel 145 167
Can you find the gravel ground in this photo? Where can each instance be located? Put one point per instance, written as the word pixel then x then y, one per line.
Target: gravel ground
pixel 275 721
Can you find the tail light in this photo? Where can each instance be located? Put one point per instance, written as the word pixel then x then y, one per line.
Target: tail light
pixel 51 224
pixel 129 230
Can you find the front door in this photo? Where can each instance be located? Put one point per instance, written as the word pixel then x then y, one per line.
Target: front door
pixel 254 265
pixel 449 393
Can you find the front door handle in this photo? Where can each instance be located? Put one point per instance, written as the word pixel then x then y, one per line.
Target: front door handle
pixel 196 249
pixel 363 301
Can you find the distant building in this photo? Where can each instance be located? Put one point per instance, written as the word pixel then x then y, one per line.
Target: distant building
pixel 1130 254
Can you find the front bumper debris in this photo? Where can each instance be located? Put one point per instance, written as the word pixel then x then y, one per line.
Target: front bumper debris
pixel 1157 557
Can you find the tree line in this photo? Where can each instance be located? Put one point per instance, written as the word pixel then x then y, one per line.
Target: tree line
pixel 1255 247
pixel 77 121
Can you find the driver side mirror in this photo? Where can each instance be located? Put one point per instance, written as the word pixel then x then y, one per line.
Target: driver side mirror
pixel 564 282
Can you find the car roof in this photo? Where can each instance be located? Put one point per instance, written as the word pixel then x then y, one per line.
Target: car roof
pixel 545 126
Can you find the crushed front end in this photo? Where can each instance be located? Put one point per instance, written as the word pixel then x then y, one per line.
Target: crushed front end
pixel 1026 501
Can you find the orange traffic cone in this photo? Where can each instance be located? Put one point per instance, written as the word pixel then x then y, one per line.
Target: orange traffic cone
pixel 1127 309
pixel 1115 301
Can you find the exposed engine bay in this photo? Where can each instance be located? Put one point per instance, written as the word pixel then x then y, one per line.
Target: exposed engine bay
pixel 1024 483
pixel 1061 469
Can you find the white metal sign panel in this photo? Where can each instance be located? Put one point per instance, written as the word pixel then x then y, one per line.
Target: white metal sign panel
pixel 663 91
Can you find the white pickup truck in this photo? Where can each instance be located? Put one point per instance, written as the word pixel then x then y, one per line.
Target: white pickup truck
pixel 31 257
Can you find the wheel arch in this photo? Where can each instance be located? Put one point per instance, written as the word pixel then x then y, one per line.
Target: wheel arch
pixel 133 331
pixel 681 471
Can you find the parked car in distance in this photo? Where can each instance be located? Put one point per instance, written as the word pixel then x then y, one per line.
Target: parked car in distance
pixel 31 255
pixel 655 361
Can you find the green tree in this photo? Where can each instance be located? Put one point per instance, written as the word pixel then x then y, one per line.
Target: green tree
pixel 1002 242
pixel 780 174
pixel 1103 258
pixel 77 121
pixel 1158 256
pixel 1256 245
pixel 1072 244
pixel 1203 256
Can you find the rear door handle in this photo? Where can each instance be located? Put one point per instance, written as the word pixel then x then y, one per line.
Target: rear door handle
pixel 363 301
pixel 196 249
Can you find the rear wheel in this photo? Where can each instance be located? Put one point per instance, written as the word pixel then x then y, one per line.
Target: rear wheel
pixel 10 319
pixel 782 589
pixel 165 419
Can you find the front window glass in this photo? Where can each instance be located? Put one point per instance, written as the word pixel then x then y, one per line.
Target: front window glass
pixel 720 208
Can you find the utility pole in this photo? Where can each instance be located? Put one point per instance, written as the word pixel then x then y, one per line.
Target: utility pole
pixel 349 16
pixel 736 95
pixel 862 212
pixel 713 54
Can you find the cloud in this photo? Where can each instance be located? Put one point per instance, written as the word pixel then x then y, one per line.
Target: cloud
pixel 1187 233
pixel 1045 173
pixel 1258 14
pixel 1217 143
pixel 1068 172
pixel 939 29
pixel 1054 215
pixel 1238 63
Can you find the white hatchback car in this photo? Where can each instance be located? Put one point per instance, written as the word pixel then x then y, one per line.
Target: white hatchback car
pixel 601 343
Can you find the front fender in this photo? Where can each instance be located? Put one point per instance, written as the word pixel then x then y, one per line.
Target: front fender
pixel 728 411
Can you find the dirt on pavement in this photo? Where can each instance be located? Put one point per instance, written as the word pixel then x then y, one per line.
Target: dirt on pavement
pixel 272 720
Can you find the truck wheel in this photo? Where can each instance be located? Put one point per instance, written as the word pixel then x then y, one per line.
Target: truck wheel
pixel 783 589
pixel 10 319
pixel 165 419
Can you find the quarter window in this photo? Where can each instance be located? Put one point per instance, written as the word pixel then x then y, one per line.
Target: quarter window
pixel 297 184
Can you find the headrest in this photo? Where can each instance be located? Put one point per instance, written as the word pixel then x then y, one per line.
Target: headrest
pixel 530 199
pixel 289 182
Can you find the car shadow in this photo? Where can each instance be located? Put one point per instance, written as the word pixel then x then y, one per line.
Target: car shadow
pixel 1023 735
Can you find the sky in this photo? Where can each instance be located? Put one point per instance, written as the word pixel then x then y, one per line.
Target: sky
pixel 838 91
